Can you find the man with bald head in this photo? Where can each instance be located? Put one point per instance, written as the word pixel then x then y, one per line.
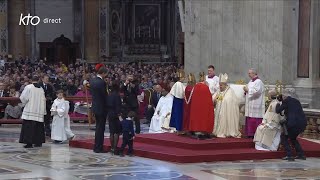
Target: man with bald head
pixel 155 97
pixel 255 106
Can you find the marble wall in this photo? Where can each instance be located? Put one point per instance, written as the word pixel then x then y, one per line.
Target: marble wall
pixel 235 35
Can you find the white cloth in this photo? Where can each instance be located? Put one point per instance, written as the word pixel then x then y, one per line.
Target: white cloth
pixel 213 84
pixel 239 92
pixel 162 115
pixel 61 121
pixel 255 106
pixel 226 114
pixel 267 136
pixel 34 102
pixel 178 89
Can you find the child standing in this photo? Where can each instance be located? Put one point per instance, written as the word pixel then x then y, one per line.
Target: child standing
pixel 127 133
pixel 61 121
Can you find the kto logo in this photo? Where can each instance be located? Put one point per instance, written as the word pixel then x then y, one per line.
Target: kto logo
pixel 26 20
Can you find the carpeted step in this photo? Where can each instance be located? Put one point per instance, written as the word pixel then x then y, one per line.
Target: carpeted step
pixel 181 155
pixel 173 140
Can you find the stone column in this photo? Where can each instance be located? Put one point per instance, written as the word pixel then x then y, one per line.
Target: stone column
pixel 3 27
pixel 17 36
pixel 91 8
pixel 308 88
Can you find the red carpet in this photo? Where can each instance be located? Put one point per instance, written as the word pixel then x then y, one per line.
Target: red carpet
pixel 174 148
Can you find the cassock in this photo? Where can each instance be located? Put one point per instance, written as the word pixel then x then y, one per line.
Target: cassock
pixel 213 84
pixel 226 121
pixel 61 121
pixel 255 106
pixel 177 91
pixel 267 136
pixel 161 118
pixel 186 108
pixel 34 102
pixel 201 109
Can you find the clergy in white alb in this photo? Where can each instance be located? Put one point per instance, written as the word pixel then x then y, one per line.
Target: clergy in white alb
pixel 34 102
pixel 212 80
pixel 227 110
pixel 267 136
pixel 161 117
pixel 61 121
pixel 255 106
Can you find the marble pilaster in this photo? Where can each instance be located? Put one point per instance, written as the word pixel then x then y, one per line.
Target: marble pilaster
pixel 91 30
pixel 17 35
pixel 3 27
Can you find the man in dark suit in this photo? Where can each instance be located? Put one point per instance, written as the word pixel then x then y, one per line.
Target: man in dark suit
pixel 98 90
pixel 50 96
pixel 3 93
pixel 295 124
pixel 155 97
pixel 131 90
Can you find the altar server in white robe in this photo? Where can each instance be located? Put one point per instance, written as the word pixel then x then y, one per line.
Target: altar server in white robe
pixel 212 80
pixel 267 136
pixel 61 121
pixel 255 106
pixel 161 118
pixel 227 110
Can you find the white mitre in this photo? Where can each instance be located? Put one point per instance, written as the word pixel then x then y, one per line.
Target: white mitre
pixel 223 78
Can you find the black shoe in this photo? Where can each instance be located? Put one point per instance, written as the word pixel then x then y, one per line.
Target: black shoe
pixel 101 151
pixel 300 157
pixel 28 146
pixel 38 145
pixel 121 155
pixel 130 155
pixel 288 158
pixel 57 142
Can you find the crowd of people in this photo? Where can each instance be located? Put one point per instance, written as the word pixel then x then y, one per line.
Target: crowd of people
pixel 205 109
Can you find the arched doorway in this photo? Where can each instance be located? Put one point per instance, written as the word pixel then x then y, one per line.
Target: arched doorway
pixel 62 49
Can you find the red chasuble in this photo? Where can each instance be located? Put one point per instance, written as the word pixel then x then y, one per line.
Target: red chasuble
pixel 186 108
pixel 201 109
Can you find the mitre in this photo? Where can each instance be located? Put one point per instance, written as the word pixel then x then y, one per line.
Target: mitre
pixel 223 78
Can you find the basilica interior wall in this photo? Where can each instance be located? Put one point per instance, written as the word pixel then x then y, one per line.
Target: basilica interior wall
pixel 236 35
pixel 47 32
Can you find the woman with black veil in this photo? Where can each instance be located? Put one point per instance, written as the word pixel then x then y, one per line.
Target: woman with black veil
pixel 114 111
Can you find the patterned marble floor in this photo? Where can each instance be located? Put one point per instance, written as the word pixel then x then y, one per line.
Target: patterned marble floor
pixel 58 161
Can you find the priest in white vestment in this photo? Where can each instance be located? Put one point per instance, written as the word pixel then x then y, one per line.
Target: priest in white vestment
pixel 61 121
pixel 227 110
pixel 34 102
pixel 255 103
pixel 212 80
pixel 161 117
pixel 267 136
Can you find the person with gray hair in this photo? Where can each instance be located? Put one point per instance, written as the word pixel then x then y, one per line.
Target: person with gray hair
pixel 254 107
pixel 295 123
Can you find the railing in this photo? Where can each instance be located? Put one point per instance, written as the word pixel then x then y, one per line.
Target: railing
pixel 16 100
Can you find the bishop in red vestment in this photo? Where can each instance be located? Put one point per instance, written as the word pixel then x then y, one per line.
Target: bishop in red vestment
pixel 201 117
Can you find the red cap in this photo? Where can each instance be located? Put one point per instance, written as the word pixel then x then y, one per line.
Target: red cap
pixel 98 66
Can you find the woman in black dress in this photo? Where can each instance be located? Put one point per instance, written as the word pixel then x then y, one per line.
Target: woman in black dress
pixel 114 111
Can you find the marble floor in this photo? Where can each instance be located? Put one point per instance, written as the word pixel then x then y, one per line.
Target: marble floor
pixel 58 161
